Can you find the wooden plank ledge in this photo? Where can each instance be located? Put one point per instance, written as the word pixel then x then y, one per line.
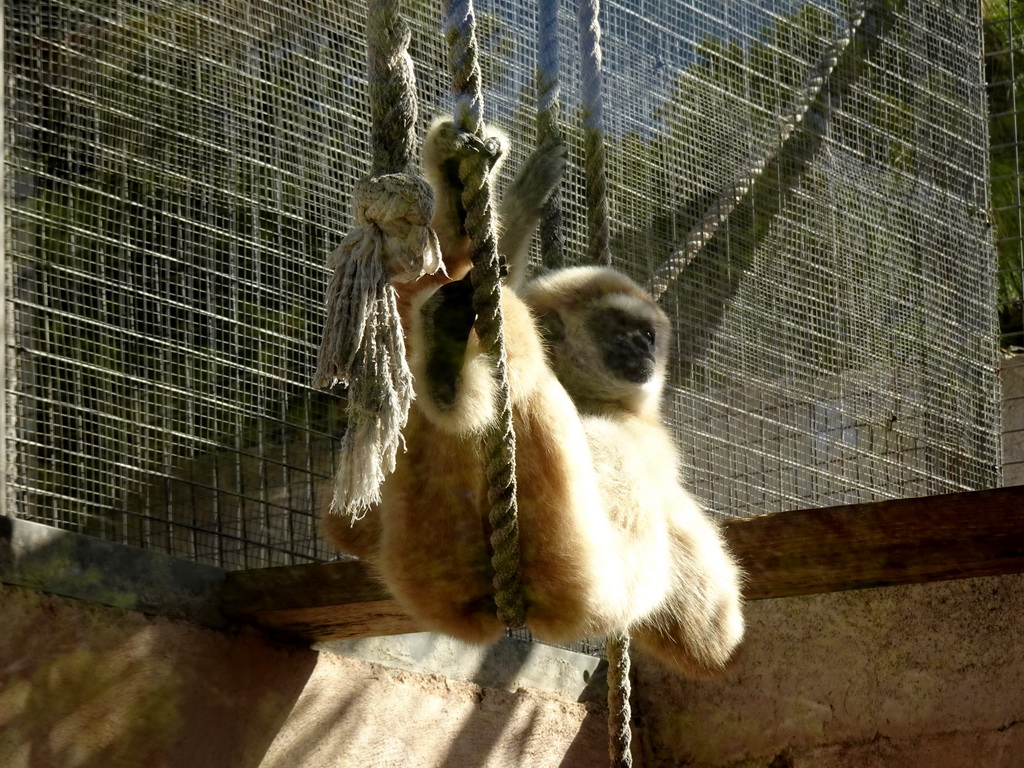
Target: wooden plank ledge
pixel 883 543
pixel 320 601
pixel 905 541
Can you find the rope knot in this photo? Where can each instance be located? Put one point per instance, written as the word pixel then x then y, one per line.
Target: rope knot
pixel 399 206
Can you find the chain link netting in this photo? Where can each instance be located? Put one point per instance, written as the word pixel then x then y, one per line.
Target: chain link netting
pixel 1003 28
pixel 177 172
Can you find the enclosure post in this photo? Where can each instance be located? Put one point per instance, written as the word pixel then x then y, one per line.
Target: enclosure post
pixel 5 324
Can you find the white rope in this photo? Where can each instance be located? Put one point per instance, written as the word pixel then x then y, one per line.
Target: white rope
pixel 362 346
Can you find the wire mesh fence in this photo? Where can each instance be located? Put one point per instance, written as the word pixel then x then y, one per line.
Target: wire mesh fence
pixel 177 171
pixel 1004 67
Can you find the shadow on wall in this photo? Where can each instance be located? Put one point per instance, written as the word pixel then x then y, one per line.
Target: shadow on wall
pixel 358 714
pixel 86 685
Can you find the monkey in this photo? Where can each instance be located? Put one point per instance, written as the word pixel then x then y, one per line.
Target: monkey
pixel 607 343
pixel 610 541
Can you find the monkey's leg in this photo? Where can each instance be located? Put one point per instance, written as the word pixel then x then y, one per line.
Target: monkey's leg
pixel 700 622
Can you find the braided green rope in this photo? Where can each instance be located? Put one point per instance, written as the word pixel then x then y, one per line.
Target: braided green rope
pixel 734 194
pixel 552 241
pixel 499 442
pixel 619 714
pixel 362 346
pixel 592 93
pixel 392 89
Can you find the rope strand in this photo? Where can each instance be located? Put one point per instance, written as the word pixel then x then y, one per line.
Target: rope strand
pixel 499 444
pixel 391 84
pixel 363 347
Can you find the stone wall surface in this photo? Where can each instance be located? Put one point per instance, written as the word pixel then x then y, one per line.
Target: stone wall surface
pixel 922 676
pixel 925 675
pixel 85 686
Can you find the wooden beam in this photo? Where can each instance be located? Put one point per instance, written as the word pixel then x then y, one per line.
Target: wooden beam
pixel 907 541
pixel 321 601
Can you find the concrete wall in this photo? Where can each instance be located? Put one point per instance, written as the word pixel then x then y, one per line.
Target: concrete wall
pixel 924 676
pixel 86 686
pixel 927 675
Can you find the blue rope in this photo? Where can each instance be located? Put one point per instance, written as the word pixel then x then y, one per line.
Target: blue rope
pixel 552 241
pixel 592 96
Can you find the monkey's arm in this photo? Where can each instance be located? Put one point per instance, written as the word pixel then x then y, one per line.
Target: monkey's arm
pixel 522 206
pixel 443 151
pixel 455 387
pixel 447 320
pixel 682 584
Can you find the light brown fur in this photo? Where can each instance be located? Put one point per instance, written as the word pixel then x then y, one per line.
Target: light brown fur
pixel 610 540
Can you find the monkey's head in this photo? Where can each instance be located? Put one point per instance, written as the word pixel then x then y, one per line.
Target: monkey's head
pixel 607 341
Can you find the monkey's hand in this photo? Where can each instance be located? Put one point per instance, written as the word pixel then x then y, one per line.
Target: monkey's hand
pixel 447 320
pixel 444 150
pixel 446 147
pixel 536 180
pixel 523 203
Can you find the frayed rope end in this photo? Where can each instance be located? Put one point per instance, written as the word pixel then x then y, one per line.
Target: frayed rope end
pixel 363 346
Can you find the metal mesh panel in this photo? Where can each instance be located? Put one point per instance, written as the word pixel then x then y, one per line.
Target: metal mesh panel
pixel 840 306
pixel 176 173
pixel 1004 68
pixel 175 176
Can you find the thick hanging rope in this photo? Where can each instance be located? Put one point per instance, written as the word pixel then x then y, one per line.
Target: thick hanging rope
pixel 552 242
pixel 499 442
pixel 363 346
pixel 619 714
pixel 592 98
pixel 734 194
pixel 599 252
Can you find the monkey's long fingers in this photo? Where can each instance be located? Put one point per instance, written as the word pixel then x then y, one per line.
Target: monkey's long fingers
pixel 452 144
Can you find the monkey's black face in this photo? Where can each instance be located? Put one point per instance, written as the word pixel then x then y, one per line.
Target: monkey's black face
pixel 627 343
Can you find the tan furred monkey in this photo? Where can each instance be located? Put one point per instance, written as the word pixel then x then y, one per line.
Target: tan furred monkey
pixel 610 541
